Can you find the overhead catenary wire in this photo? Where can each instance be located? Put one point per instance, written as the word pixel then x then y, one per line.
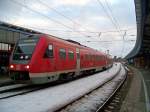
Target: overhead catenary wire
pixel 109 16
pixel 109 31
pixel 91 40
pixel 59 13
pixel 78 31
pixel 42 29
pixel 53 20
pixel 113 17
pixel 116 21
pixel 111 41
pixel 51 30
pixel 37 27
pixel 113 20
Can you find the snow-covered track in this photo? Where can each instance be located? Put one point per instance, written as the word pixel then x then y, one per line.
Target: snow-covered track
pixel 96 100
pixel 53 98
pixel 112 96
pixel 18 89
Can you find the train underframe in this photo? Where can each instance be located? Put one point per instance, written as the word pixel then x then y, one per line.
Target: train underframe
pixel 40 78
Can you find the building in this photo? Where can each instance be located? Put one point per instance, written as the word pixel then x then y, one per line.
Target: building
pixel 9 34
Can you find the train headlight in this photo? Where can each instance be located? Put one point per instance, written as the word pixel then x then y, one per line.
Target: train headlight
pixel 11 66
pixel 27 67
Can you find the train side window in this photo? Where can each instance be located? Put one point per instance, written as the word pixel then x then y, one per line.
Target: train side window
pixel 92 57
pixel 99 58
pixel 62 53
pixel 86 56
pixel 95 57
pixel 49 52
pixel 71 55
pixel 89 57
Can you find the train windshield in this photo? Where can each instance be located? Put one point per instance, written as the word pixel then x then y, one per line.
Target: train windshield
pixel 24 49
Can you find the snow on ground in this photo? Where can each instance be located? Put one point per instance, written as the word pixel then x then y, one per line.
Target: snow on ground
pixel 52 98
pixel 91 102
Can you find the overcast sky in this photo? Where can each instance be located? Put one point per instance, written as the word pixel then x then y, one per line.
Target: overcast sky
pixel 86 21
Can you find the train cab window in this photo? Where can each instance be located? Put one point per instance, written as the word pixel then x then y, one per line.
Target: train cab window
pixel 71 55
pixel 49 51
pixel 62 53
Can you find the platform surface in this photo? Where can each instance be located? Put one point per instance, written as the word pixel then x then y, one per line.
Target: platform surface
pixel 138 96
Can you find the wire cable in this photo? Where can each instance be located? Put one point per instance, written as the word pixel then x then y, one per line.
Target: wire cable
pixel 109 16
pixel 58 22
pixel 59 13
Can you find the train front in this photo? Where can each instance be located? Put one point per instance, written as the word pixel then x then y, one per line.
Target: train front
pixel 21 57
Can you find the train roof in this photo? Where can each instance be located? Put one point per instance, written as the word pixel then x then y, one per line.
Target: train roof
pixel 70 42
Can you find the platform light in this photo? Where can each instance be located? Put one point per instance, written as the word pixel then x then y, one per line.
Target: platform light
pixel 11 66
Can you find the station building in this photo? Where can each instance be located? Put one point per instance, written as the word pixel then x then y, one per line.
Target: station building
pixel 9 34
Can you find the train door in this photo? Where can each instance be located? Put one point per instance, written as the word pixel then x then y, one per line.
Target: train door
pixel 77 61
pixel 61 58
pixel 50 55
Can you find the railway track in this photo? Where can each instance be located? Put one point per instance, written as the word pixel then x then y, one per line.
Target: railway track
pixel 63 95
pixel 113 99
pixel 11 87
pixel 115 102
pixel 17 89
pixel 12 90
pixel 6 83
pixel 82 103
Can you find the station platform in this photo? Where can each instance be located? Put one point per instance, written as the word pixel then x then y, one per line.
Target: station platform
pixel 138 96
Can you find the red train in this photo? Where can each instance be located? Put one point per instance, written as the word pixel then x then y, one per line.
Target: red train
pixel 43 58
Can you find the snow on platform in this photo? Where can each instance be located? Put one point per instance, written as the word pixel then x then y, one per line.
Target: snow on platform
pixel 52 98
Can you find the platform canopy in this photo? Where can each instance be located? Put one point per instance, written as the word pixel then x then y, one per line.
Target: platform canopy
pixel 142 46
pixel 9 33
